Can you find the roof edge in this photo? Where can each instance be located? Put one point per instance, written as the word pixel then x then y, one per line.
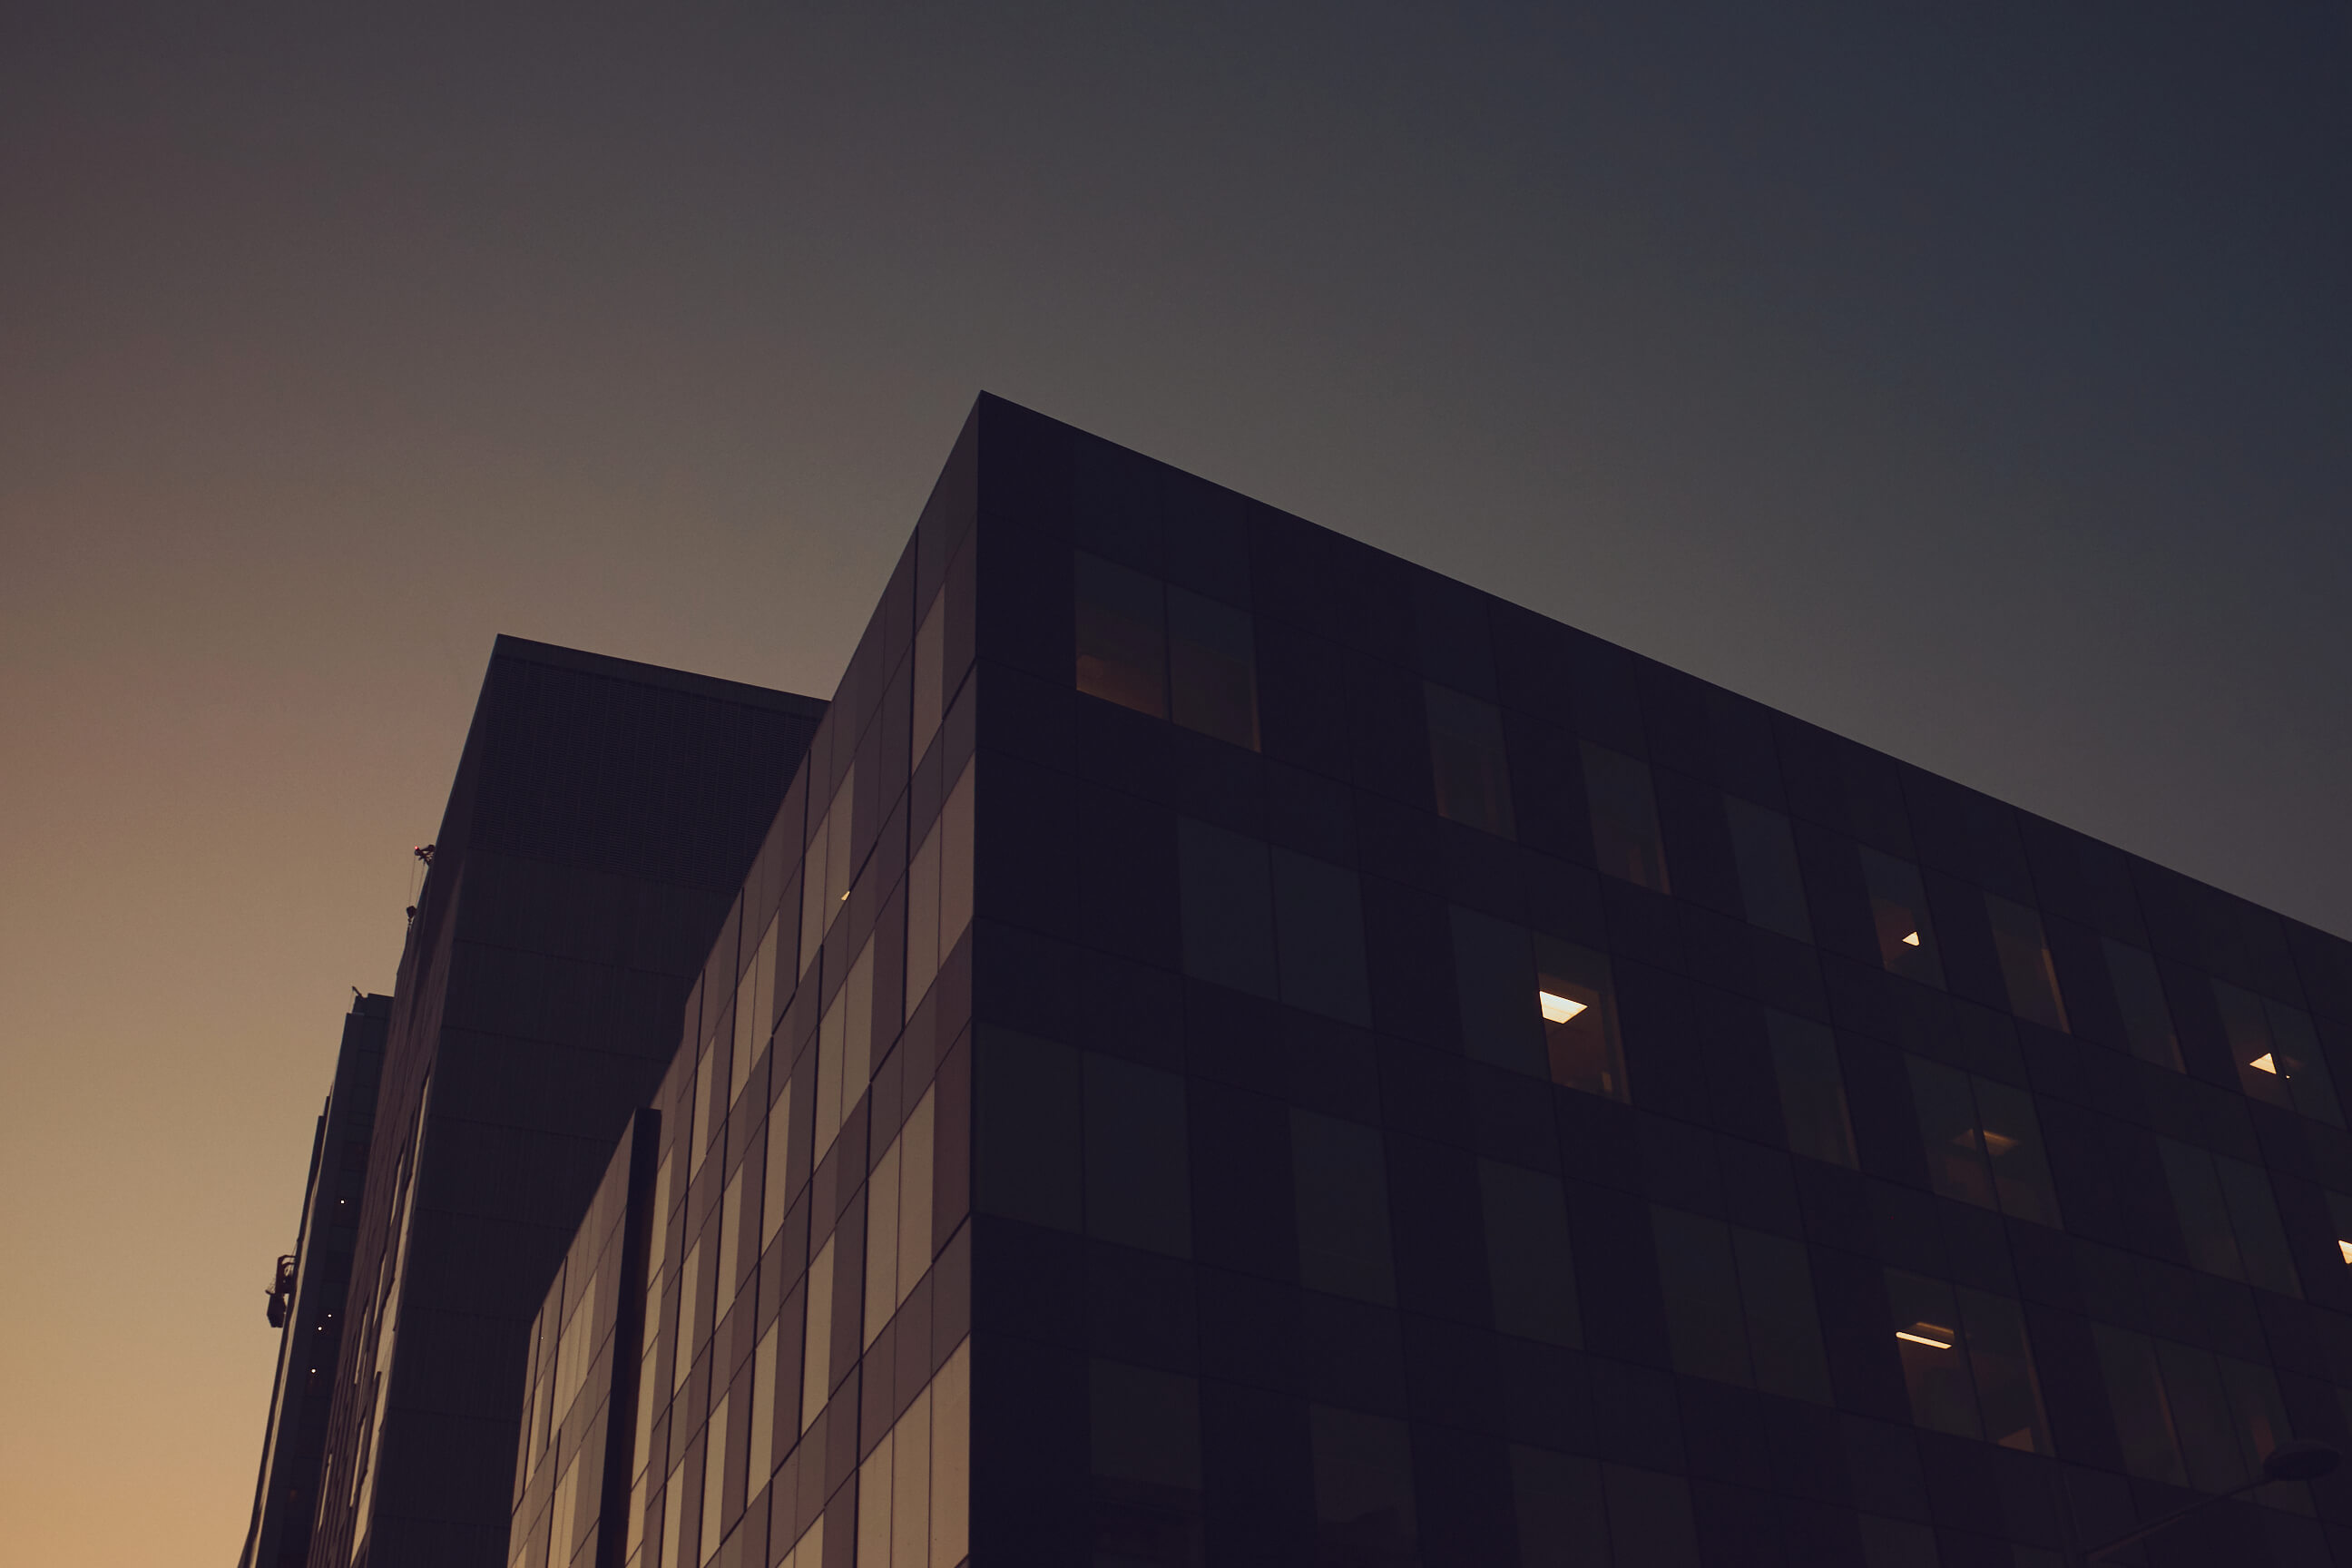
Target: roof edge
pixel 506 646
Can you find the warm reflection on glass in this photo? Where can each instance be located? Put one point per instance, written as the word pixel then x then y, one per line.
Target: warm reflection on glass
pixel 1122 632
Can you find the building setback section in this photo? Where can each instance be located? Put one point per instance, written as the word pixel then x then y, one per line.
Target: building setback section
pixel 285 1499
pixel 601 821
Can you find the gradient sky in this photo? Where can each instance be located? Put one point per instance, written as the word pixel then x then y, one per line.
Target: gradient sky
pixel 1975 381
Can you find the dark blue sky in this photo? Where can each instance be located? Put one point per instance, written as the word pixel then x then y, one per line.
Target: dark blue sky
pixel 1974 381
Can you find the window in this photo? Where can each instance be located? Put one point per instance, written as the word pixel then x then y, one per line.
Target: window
pixel 1566 1030
pixel 1166 652
pixel 698 1142
pixel 1898 910
pixel 1772 887
pixel 1122 626
pixel 1137 1188
pixel 1579 1018
pixel 754 996
pixel 2139 996
pixel 844 1041
pixel 1739 1305
pixel 899 1219
pixel 1625 838
pixel 913 1488
pixel 776 1177
pixel 730 1237
pixel 2025 964
pixel 931 675
pixel 764 1372
pixel 1363 1491
pixel 1340 1184
pixel 1812 1089
pixel 2227 1217
pixel 817 1343
pixel 689 1317
pixel 2186 1416
pixel 1529 1270
pixel 1211 668
pixel 1966 1362
pixel 1319 938
pixel 938 891
pixel 1983 1143
pixel 714 1480
pixel 2277 1054
pixel 1467 759
pixel 1144 1448
pixel 1227 897
pixel 826 869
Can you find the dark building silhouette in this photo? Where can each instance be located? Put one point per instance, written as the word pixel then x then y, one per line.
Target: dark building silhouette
pixel 602 820
pixel 305 1301
pixel 1238 1049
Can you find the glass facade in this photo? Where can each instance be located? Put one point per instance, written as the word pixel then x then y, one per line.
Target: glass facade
pixel 1238 1049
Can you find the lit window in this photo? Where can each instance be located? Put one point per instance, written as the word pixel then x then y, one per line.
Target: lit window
pixel 1580 1024
pixel 2277 1054
pixel 1898 911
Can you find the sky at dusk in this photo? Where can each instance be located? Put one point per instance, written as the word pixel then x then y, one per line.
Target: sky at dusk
pixel 1973 381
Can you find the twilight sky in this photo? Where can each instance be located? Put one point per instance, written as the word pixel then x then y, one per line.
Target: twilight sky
pixel 1975 381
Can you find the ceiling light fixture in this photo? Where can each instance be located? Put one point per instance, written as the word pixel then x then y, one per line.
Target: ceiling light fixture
pixel 1558 1009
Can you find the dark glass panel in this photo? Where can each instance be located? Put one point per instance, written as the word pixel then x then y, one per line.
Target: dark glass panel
pixel 1467 759
pixel 2139 996
pixel 1211 668
pixel 2025 964
pixel 1561 1518
pixel 1122 636
pixel 1529 1265
pixel 1784 1335
pixel 1228 908
pixel 1319 935
pixel 1772 886
pixel 2009 1395
pixel 2136 1398
pixel 1137 1185
pixel 1363 1491
pixel 2204 1214
pixel 1650 1519
pixel 1812 1089
pixel 1625 838
pixel 2255 1220
pixel 1493 962
pixel 1341 1186
pixel 1700 1284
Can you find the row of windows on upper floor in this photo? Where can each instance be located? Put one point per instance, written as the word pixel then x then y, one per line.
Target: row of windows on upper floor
pixel 1166 652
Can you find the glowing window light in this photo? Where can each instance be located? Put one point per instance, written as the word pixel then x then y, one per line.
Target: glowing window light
pixel 1558 1009
pixel 1935 1336
pixel 2345 1248
pixel 1911 941
pixel 2264 1063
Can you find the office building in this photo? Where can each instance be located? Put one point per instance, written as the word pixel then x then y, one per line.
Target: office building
pixel 305 1298
pixel 601 821
pixel 1238 1049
